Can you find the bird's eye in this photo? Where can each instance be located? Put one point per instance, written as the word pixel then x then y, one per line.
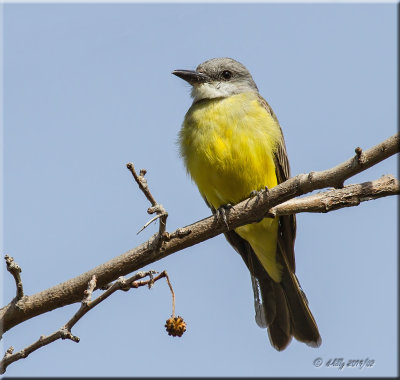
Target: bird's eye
pixel 226 74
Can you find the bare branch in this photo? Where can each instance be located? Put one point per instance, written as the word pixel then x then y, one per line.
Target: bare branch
pixel 65 331
pixel 15 270
pixel 351 195
pixel 155 207
pixel 248 211
pixel 120 284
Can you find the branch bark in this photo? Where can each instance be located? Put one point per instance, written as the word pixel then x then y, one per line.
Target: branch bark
pixel 248 211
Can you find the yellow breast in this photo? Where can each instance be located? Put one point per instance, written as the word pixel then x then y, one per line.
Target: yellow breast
pixel 228 145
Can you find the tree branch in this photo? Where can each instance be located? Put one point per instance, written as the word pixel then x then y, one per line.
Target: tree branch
pixel 248 211
pixel 348 196
pixel 86 305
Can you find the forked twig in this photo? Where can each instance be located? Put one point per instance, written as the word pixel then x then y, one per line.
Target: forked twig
pixel 155 207
pixel 150 283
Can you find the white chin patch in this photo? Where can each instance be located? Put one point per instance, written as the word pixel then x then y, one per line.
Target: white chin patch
pixel 213 90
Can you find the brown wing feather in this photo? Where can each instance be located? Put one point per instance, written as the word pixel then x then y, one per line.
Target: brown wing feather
pixel 287 223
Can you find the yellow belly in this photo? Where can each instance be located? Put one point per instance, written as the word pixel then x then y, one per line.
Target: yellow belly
pixel 227 145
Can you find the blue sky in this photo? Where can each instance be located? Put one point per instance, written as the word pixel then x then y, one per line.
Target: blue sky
pixel 88 88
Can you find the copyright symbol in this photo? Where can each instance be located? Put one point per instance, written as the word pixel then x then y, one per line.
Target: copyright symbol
pixel 317 362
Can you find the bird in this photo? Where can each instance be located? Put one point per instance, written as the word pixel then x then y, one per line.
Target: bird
pixel 233 147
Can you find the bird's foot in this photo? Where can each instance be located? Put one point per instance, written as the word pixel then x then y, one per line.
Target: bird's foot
pixel 256 194
pixel 221 213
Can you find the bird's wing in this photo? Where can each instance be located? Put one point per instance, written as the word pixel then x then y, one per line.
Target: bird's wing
pixel 287 223
pixel 303 326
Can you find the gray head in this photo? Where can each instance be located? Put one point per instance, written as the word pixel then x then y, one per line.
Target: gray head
pixel 218 77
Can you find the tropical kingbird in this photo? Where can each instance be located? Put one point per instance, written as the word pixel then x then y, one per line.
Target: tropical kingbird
pixel 233 146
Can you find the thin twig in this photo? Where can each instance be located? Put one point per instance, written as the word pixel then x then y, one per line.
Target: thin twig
pixel 15 270
pixel 142 182
pixel 150 221
pixel 151 282
pixel 120 284
pixel 155 207
pixel 172 293
pixel 65 331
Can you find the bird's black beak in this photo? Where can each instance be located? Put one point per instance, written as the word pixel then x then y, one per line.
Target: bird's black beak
pixel 192 77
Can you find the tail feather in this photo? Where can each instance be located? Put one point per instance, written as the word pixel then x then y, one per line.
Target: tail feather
pixel 285 307
pixel 287 313
pixel 279 328
pixel 281 307
pixel 303 323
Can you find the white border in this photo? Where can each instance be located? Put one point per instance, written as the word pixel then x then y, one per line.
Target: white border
pixel 201 2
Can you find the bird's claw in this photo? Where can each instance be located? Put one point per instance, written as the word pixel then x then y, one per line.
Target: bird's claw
pixel 221 212
pixel 256 194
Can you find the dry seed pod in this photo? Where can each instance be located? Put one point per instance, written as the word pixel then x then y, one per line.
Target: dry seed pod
pixel 175 326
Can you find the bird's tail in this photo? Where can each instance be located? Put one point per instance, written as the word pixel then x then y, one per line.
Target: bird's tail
pixel 285 312
pixel 280 307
